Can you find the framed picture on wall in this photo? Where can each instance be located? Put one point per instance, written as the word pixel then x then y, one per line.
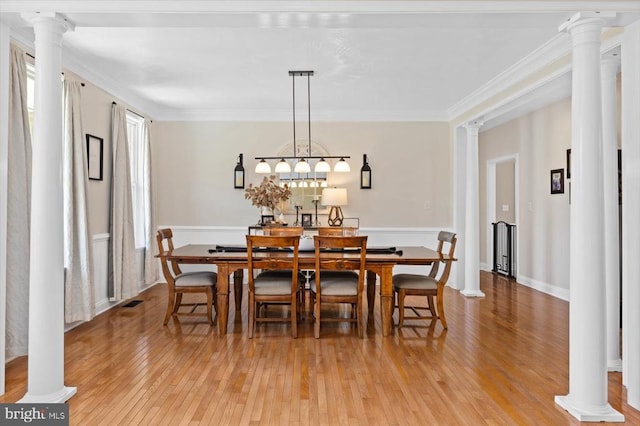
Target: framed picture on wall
pixel 307 220
pixel 267 219
pixel 94 157
pixel 557 181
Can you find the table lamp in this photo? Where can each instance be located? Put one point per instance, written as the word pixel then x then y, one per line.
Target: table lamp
pixel 334 197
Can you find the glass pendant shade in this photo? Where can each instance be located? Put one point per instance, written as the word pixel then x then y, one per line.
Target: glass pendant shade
pixel 341 166
pixel 322 166
pixel 302 167
pixel 263 167
pixel 283 167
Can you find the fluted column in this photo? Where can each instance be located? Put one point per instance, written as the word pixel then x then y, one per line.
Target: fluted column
pixel 472 215
pixel 587 398
pixel 609 67
pixel 45 382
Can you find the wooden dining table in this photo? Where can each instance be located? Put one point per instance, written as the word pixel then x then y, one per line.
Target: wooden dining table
pixel 232 260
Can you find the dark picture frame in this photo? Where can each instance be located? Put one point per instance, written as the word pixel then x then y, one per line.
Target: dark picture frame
pixel 307 220
pixel 267 219
pixel 94 157
pixel 569 164
pixel 556 180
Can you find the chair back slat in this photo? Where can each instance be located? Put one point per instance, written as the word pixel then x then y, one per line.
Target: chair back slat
pixel 283 230
pixel 165 236
pixel 346 231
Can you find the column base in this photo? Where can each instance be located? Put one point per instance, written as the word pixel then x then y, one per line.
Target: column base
pixel 614 365
pixel 472 293
pixel 63 395
pixel 604 413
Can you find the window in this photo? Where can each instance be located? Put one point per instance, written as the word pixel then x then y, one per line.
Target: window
pixel 135 136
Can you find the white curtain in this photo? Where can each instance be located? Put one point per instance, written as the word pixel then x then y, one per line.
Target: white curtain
pixel 18 209
pixel 122 253
pixel 151 246
pixel 79 298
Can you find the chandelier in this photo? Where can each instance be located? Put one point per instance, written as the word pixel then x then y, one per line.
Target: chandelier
pixel 302 164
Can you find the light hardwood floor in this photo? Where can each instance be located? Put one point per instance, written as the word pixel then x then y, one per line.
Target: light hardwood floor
pixel 501 362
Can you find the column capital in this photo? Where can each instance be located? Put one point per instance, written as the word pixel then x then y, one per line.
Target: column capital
pixel 610 66
pixel 473 124
pixel 595 18
pixel 35 18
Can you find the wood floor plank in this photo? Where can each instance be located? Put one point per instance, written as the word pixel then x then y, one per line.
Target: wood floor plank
pixel 501 362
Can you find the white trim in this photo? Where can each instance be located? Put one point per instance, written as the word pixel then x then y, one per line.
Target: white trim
pixel 556 48
pixel 363 7
pixel 550 289
pixel 284 116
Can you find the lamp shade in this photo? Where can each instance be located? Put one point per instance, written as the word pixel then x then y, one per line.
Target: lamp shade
pixel 322 166
pixel 302 167
pixel 283 167
pixel 341 166
pixel 334 197
pixel 263 167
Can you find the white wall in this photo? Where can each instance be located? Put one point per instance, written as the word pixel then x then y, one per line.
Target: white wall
pixel 193 166
pixel 540 139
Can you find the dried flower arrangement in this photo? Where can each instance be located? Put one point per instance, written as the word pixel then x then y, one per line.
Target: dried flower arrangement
pixel 268 194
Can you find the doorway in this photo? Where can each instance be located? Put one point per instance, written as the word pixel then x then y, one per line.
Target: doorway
pixel 502 199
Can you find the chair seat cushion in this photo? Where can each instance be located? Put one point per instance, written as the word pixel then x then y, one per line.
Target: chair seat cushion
pixel 269 283
pixel 414 282
pixel 337 283
pixel 199 278
pixel 283 274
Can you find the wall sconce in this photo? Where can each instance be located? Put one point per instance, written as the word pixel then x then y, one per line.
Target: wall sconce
pixel 365 173
pixel 238 174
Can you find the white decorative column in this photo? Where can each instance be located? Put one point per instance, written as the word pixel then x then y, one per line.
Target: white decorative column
pixel 46 287
pixel 587 398
pixel 459 197
pixel 631 212
pixel 472 215
pixel 609 69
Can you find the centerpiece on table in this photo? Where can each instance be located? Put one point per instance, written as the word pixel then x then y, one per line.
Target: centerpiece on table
pixel 269 196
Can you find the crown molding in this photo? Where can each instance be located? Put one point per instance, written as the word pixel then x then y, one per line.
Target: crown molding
pixel 109 85
pixel 556 48
pixel 353 6
pixel 285 116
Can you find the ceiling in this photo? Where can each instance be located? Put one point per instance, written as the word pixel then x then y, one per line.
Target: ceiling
pixel 373 60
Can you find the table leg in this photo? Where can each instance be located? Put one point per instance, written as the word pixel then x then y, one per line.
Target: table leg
pixel 386 298
pixel 237 287
pixel 223 298
pixel 371 290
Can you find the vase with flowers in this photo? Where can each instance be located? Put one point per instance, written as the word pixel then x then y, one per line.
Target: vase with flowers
pixel 268 195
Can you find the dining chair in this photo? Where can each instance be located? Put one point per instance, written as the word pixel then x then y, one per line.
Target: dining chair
pixel 343 287
pixel 278 231
pixel 283 230
pixel 426 285
pixel 281 287
pixel 179 282
pixel 324 231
